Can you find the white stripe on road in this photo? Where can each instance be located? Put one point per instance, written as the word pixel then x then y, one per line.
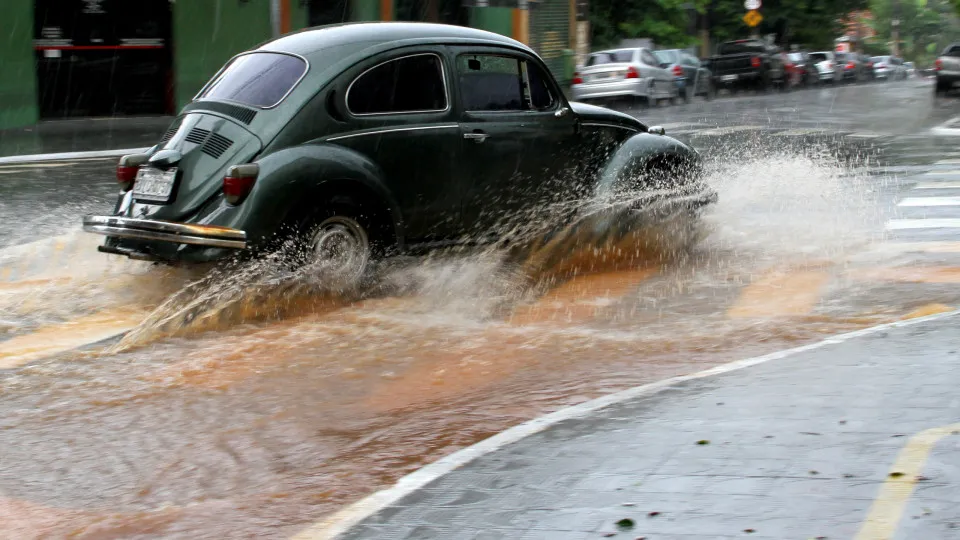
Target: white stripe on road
pixel 948 162
pixel 937 223
pixel 930 201
pixel 916 247
pixel 937 185
pixel 31 158
pixel 951 172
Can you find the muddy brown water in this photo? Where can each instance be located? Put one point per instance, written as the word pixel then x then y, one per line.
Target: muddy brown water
pixel 248 404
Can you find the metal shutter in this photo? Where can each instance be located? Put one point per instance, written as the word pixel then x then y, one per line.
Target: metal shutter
pixel 550 33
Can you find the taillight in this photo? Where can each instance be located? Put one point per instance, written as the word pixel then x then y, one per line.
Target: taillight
pixel 127 169
pixel 577 79
pixel 881 65
pixel 938 65
pixel 677 71
pixel 239 181
pixel 755 61
pixel 829 65
pixel 632 73
pixel 790 66
pixel 850 65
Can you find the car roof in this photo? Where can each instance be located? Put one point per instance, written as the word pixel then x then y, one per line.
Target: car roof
pixel 310 41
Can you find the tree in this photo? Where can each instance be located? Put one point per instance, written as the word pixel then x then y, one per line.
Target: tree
pixel 925 26
pixel 667 22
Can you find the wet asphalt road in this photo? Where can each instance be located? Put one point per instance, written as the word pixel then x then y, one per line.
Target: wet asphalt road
pixel 239 406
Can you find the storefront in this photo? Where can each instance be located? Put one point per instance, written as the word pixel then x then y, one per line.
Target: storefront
pixel 103 57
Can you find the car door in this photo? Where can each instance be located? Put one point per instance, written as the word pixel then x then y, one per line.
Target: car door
pixel 397 113
pixel 695 75
pixel 516 136
pixel 663 83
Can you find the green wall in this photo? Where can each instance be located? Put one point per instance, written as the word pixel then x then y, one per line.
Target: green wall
pixel 208 33
pixel 18 83
pixel 493 19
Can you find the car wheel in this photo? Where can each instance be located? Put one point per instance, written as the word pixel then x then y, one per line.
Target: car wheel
pixel 940 89
pixel 337 245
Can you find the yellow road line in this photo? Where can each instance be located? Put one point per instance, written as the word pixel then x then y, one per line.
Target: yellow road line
pixel 582 297
pixel 58 338
pixel 780 293
pixel 915 274
pixel 888 507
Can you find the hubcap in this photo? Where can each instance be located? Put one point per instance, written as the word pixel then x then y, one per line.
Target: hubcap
pixel 339 244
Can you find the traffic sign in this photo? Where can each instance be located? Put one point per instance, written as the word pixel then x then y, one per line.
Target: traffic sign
pixel 752 18
pixel 752 5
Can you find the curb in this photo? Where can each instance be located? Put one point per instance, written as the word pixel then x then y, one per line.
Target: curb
pixel 343 520
pixel 34 158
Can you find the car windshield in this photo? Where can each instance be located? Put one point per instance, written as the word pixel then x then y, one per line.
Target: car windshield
pixel 260 79
pixel 819 57
pixel 879 58
pixel 611 57
pixel 740 47
pixel 667 57
pixel 796 57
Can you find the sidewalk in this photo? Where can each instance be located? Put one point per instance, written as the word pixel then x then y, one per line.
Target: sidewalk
pixel 835 441
pixel 83 134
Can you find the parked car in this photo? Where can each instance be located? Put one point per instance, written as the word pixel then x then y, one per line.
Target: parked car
pixel 747 63
pixel 852 69
pixel 947 69
pixel 691 77
pixel 911 69
pixel 806 66
pixel 630 73
pixel 827 66
pixel 889 68
pixel 360 140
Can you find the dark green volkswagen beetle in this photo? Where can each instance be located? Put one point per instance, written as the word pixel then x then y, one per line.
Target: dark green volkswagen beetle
pixel 361 140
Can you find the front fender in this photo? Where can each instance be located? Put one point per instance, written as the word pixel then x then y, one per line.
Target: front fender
pixel 632 157
pixel 289 175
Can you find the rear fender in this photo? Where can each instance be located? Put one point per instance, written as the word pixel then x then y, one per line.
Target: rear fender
pixel 289 176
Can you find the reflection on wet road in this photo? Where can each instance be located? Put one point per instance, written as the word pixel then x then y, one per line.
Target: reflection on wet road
pixel 241 404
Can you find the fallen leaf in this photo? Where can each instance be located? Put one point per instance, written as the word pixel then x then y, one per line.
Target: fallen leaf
pixel 848 476
pixel 896 474
pixel 749 531
pixel 653 514
pixel 625 523
pixel 703 442
pixel 608 535
pixel 809 433
pixel 814 472
pixel 628 504
pixel 843 422
pixel 922 478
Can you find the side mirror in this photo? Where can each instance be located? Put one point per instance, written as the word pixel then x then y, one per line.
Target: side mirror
pixel 657 130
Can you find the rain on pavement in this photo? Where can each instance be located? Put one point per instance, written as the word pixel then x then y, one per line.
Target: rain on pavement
pixel 240 402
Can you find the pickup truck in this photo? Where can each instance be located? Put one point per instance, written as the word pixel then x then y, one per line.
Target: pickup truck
pixel 947 68
pixel 747 63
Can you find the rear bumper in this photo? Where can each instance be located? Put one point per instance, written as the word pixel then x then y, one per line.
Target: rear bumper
pixel 627 87
pixel 166 231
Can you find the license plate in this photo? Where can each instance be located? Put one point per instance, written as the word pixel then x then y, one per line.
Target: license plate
pixel 728 77
pixel 601 76
pixel 154 185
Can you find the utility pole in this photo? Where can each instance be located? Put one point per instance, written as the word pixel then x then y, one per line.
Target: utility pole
pixel 895 28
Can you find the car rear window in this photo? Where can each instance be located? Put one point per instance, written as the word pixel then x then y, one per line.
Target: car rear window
pixel 667 57
pixel 260 79
pixel 610 57
pixel 818 57
pixel 953 50
pixel 740 47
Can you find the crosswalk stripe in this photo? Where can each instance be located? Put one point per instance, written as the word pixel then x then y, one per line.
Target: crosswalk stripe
pixel 917 247
pixel 937 185
pixel 948 162
pixel 934 223
pixel 930 201
pixel 911 274
pixel 949 172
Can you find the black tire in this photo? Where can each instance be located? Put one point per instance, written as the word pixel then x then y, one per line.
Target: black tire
pixel 940 89
pixel 339 241
pixel 688 94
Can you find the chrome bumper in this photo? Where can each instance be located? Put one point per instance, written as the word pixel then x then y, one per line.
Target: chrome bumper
pixel 166 231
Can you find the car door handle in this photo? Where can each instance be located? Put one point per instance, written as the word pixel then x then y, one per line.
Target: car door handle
pixel 477 136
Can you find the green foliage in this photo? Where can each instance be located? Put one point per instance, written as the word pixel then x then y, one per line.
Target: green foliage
pixel 926 27
pixel 673 23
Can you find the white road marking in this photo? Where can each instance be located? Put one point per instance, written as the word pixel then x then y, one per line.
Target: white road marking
pixel 937 185
pixel 32 158
pixel 916 247
pixel 340 522
pixel 951 172
pixel 930 201
pixel 948 162
pixel 934 223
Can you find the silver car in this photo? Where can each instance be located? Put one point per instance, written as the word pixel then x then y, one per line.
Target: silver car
pixel 623 73
pixel 888 68
pixel 826 62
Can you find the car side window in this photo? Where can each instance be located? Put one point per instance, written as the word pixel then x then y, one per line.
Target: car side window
pixel 405 85
pixel 541 93
pixel 490 82
pixel 648 58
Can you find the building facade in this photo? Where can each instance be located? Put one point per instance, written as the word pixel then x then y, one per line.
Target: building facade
pixel 64 58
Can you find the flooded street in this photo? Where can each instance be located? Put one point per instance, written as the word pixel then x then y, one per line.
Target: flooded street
pixel 140 401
